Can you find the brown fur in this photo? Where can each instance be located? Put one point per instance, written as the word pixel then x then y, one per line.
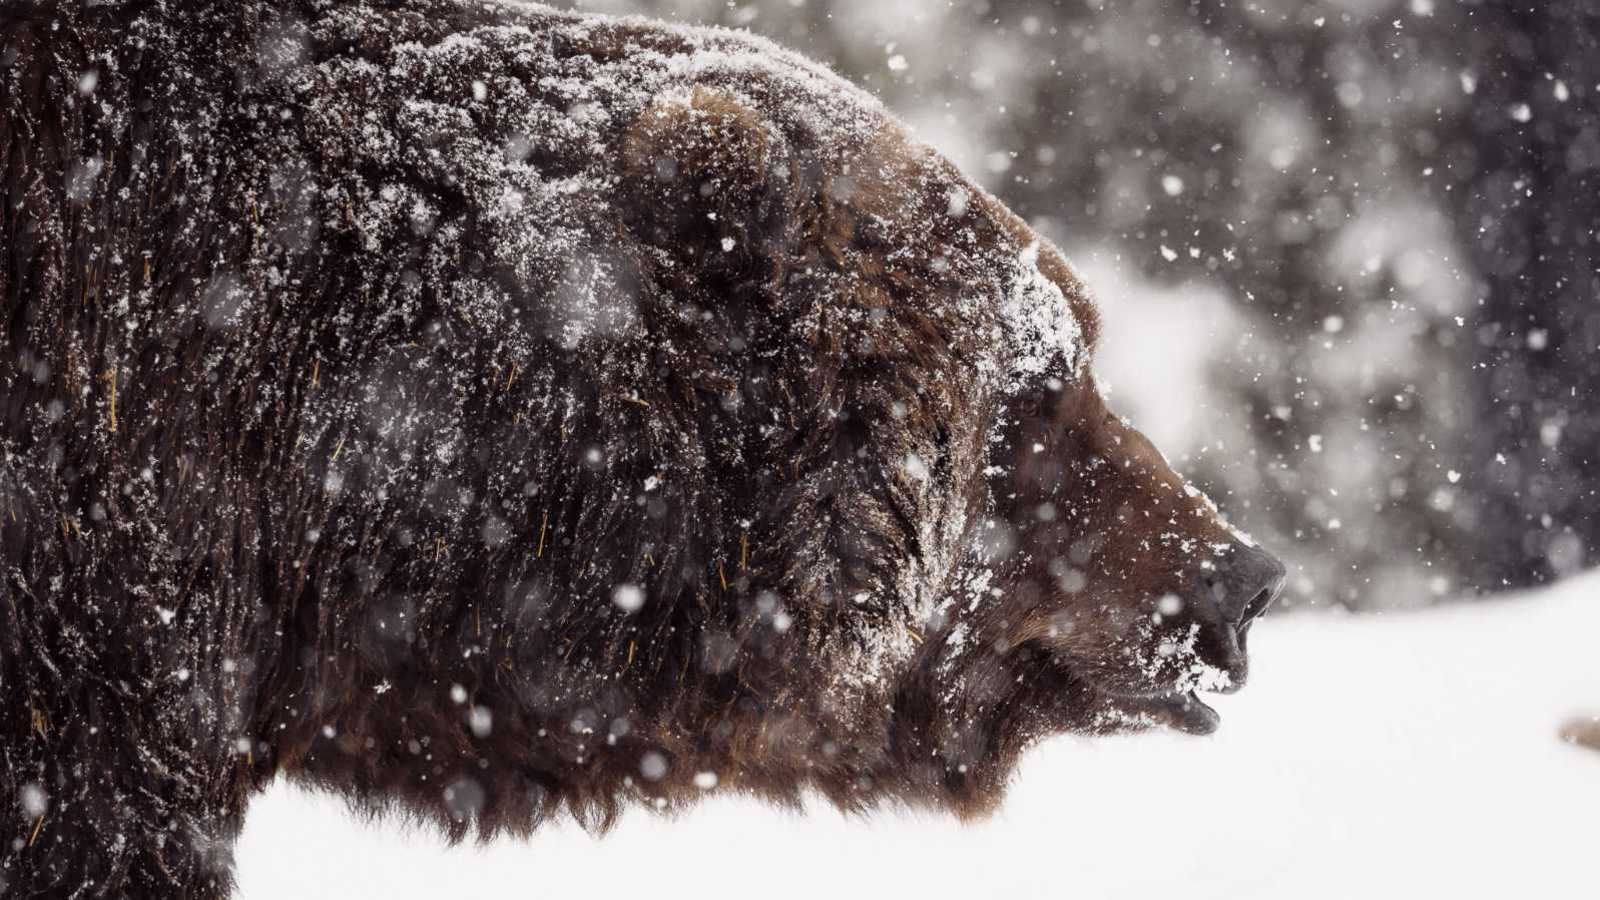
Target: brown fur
pixel 339 406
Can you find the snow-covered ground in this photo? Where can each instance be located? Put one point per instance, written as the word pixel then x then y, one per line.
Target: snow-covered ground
pixel 1410 754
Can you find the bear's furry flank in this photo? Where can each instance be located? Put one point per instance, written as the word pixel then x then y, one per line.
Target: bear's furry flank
pixel 495 413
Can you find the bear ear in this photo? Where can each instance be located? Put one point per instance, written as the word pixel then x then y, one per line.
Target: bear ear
pixel 710 182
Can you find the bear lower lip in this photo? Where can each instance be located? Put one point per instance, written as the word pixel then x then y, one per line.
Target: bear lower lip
pixel 1190 714
pixel 1184 712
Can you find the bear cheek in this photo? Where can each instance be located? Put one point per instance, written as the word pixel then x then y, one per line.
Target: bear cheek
pixel 1093 639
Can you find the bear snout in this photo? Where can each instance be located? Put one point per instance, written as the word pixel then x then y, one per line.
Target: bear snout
pixel 1237 589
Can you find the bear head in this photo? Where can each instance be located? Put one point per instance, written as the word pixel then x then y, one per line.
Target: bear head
pixel 1070 580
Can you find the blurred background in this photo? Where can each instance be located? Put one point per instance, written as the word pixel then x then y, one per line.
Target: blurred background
pixel 1347 251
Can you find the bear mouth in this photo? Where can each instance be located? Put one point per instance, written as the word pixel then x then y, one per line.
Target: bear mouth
pixel 1176 706
pixel 1181 710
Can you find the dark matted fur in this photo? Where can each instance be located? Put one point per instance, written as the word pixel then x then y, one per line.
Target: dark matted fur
pixel 648 410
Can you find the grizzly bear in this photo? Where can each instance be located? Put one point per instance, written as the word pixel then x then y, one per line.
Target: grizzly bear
pixel 498 413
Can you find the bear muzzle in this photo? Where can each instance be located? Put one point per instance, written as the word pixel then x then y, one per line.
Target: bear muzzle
pixel 1235 591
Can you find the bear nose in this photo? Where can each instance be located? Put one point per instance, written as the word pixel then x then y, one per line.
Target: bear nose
pixel 1245 584
pixel 1240 587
